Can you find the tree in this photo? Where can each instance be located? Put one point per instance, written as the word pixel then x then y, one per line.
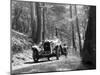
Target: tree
pixel 33 21
pixel 78 31
pixel 88 53
pixel 17 12
pixel 72 27
pixel 39 22
pixel 44 23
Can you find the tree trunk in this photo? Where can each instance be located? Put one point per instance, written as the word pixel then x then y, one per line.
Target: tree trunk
pixel 44 24
pixel 72 27
pixel 18 11
pixel 39 22
pixel 78 31
pixel 33 21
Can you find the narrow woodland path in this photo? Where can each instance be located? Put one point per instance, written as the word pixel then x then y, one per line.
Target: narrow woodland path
pixel 63 64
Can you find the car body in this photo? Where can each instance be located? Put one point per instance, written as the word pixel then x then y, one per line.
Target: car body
pixel 45 50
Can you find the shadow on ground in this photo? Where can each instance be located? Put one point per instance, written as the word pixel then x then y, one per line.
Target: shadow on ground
pixel 31 62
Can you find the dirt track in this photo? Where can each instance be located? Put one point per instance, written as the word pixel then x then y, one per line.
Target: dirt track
pixel 63 64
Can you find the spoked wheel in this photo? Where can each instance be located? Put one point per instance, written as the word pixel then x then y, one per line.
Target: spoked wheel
pixel 35 56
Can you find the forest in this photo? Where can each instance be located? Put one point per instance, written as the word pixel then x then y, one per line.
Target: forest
pixel 33 22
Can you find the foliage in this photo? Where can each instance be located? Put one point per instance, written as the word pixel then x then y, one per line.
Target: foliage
pixel 27 18
pixel 19 42
pixel 21 18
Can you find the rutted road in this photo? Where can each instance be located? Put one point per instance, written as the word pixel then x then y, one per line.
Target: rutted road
pixel 63 64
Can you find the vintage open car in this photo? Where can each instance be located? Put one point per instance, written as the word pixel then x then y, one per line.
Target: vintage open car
pixel 47 49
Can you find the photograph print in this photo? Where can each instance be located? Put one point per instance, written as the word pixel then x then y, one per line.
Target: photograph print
pixel 52 37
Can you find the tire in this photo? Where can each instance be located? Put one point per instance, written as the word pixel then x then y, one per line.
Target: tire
pixel 35 59
pixel 66 53
pixel 57 54
pixel 57 57
pixel 35 56
pixel 48 59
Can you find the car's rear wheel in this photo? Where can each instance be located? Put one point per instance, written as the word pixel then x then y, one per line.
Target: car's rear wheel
pixel 65 52
pixel 35 59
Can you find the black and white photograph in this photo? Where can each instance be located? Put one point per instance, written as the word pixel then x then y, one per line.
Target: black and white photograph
pixel 52 37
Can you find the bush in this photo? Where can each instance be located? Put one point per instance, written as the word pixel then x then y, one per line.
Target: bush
pixel 16 49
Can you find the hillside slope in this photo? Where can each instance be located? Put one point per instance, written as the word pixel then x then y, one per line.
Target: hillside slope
pixel 20 48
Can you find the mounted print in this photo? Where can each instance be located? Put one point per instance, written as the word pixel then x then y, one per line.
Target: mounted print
pixel 52 37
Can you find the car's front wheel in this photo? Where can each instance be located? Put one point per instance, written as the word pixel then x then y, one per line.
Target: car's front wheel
pixel 48 58
pixel 35 56
pixel 57 54
pixel 35 59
